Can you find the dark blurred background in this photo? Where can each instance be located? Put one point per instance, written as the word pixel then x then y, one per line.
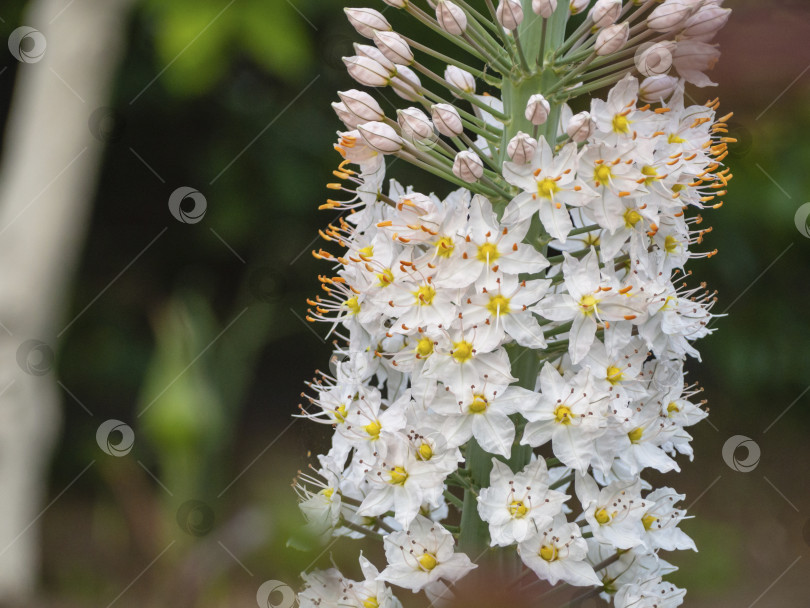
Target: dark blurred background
pixel 193 334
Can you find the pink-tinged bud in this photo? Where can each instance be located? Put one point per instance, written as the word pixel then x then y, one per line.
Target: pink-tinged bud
pixel 380 137
pixel 346 117
pixel 461 79
pixel 657 89
pixel 537 110
pixel 671 15
pixel 372 52
pixel 580 127
pixel 544 8
pixel 362 105
pixel 352 147
pixel 447 120
pixel 577 6
pixel 605 12
pixel 393 46
pixel 521 148
pixel 654 59
pixel 509 14
pixel 612 39
pixel 367 21
pixel 468 167
pixel 367 71
pixel 693 58
pixel 451 17
pixel 705 23
pixel 397 3
pixel 406 83
pixel 415 124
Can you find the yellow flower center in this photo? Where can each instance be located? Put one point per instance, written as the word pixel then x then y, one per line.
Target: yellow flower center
pixel 548 553
pixel 445 247
pixel 671 244
pixel 367 252
pixel 517 509
pixel 588 304
pixel 353 305
pixel 621 124
pixel 498 305
pixel 602 174
pixel 673 408
pixel 546 188
pixel 648 521
pixel 635 435
pixel 479 405
pixel 328 492
pixel 424 348
pixel 425 452
pixel 650 173
pixel 462 351
pixel 614 375
pixel 488 253
pixel 386 277
pixel 591 240
pixel 340 413
pixel 398 476
pixel 678 187
pixel 424 295
pixel 563 414
pixel 373 429
pixel 428 561
pixel 371 602
pixel 674 139
pixel 631 218
pixel 602 517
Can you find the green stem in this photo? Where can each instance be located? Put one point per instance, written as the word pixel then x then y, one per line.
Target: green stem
pixel 474 536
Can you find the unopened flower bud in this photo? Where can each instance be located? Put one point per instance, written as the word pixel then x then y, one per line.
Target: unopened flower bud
pixel 367 21
pixel 653 59
pixel 367 72
pixel 575 7
pixel 537 110
pixel 406 83
pixel 509 14
pixel 580 127
pixel 521 148
pixel 372 52
pixel 381 137
pixel 657 89
pixel 671 15
pixel 415 124
pixel 362 105
pixel 451 17
pixel 468 167
pixel 393 46
pixel 348 119
pixel 396 3
pixel 544 8
pixel 605 12
pixel 461 79
pixel 706 22
pixel 447 120
pixel 612 39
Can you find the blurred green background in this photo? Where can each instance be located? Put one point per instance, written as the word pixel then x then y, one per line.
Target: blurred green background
pixel 243 115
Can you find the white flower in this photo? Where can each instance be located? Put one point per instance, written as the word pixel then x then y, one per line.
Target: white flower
pixel 558 553
pixel 661 521
pixel 516 505
pixel 614 513
pixel 422 555
pixel 652 593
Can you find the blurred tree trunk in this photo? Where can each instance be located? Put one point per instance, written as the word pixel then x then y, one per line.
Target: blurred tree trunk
pixel 49 169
